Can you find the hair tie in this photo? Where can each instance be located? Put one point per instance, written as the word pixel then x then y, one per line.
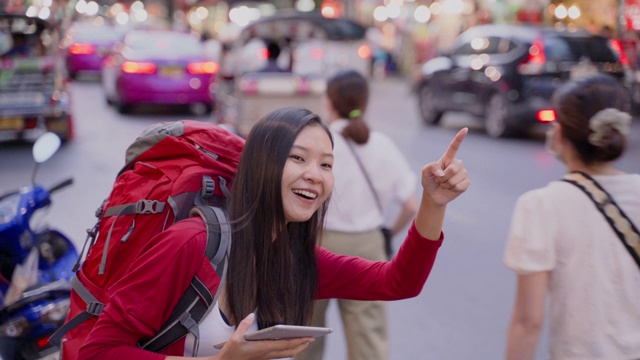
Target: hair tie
pixel 608 118
pixel 355 113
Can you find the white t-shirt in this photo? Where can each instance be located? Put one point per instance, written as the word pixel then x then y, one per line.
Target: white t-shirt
pixel 594 288
pixel 213 330
pixel 353 207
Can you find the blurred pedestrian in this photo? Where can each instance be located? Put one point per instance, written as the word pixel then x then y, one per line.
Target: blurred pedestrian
pixel 273 53
pixel 371 176
pixel 565 250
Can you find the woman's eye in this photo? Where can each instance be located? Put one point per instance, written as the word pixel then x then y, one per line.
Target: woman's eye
pixel 327 165
pixel 296 157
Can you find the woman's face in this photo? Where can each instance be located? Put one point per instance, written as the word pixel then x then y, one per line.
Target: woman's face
pixel 307 177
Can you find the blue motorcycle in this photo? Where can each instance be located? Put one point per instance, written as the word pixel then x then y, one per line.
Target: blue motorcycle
pixel 35 267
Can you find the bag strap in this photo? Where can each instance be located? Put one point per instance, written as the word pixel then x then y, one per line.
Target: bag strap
pixel 196 303
pixel 94 308
pixel 619 221
pixel 366 176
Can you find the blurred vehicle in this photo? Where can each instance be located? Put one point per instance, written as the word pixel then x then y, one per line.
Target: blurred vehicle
pixel 311 48
pixel 86 45
pixel 159 67
pixel 33 82
pixel 36 266
pixel 506 74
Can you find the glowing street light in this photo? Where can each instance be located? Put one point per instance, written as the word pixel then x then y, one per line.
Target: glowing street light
pixel 574 12
pixel 561 12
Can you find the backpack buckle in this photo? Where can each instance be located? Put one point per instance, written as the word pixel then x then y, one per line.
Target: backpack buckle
pixel 149 207
pixel 95 308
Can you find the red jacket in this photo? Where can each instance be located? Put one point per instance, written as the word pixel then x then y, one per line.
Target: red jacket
pixel 142 301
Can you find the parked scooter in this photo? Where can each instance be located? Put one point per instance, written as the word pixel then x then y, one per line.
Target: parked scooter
pixel 35 267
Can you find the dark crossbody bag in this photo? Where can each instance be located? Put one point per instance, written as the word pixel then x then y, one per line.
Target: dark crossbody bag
pixel 386 232
pixel 619 221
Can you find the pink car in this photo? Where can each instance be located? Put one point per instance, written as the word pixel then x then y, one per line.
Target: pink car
pixel 159 67
pixel 86 46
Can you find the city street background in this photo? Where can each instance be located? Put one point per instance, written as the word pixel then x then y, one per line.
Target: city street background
pixel 464 309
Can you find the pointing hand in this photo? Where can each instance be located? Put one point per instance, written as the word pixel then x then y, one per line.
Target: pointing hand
pixel 447 178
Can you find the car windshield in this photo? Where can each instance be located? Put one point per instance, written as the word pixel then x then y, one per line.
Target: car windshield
pixel 21 38
pixel 595 49
pixel 163 44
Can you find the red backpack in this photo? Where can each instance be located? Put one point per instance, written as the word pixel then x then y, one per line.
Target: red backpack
pixel 173 170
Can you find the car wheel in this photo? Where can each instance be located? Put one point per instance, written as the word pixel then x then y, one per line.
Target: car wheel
pixel 495 117
pixel 124 108
pixel 426 103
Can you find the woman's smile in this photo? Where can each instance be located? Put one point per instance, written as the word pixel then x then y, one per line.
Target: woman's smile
pixel 307 177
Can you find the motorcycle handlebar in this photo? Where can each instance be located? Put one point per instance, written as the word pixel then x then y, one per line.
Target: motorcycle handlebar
pixel 61 185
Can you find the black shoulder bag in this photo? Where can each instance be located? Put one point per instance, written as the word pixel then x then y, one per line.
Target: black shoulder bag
pixel 386 232
pixel 619 221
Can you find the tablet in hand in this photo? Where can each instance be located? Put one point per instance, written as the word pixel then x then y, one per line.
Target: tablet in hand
pixel 280 332
pixel 287 332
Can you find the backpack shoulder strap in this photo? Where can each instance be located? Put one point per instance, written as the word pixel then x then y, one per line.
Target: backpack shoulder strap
pixel 197 301
pixel 94 308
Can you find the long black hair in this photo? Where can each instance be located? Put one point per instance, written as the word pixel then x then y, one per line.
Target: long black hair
pixel 278 277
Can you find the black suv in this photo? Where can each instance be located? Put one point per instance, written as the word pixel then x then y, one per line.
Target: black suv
pixel 506 74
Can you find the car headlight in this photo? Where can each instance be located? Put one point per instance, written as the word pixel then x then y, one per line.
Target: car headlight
pixel 9 208
pixel 55 313
pixel 15 328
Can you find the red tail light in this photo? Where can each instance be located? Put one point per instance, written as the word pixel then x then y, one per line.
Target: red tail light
pixel 82 49
pixel 616 45
pixel 534 63
pixel 134 67
pixel 198 68
pixel 536 52
pixel 263 54
pixel 546 116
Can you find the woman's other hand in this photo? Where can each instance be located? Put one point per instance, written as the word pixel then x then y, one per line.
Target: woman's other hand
pixel 237 348
pixel 447 178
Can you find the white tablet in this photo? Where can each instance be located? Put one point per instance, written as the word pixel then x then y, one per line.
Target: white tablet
pixel 279 332
pixel 287 332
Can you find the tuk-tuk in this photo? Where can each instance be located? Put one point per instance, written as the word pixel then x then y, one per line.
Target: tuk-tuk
pixel 252 82
pixel 33 95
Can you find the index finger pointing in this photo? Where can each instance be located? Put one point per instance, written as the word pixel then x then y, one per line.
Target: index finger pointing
pixel 454 146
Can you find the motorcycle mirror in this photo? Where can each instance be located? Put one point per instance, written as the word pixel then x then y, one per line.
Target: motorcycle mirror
pixel 45 147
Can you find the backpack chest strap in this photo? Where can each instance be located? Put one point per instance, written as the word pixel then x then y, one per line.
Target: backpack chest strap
pixel 142 206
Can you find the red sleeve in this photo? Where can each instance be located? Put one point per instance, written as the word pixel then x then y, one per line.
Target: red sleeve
pixel 142 301
pixel 348 277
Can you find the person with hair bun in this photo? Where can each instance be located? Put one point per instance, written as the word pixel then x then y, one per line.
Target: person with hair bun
pixel 564 250
pixel 365 162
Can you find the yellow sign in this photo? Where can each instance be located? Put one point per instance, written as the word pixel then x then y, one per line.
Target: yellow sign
pixel 11 123
pixel 171 71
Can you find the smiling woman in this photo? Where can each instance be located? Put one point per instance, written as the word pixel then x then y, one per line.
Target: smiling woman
pixel 275 268
pixel 307 178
